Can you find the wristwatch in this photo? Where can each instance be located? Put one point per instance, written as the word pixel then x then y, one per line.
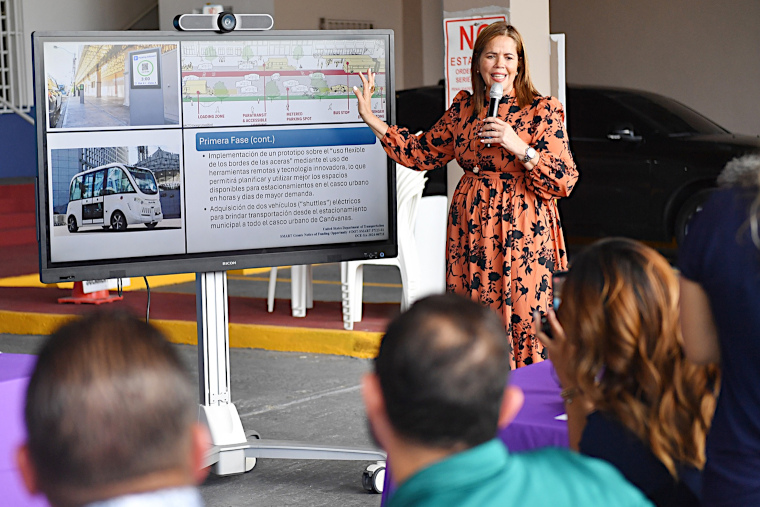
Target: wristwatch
pixel 529 154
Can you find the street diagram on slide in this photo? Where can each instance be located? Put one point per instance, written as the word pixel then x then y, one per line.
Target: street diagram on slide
pixel 278 82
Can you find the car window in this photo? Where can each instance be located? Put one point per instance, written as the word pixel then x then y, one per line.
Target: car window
pixel 98 183
pixel 87 188
pixel 145 180
pixel 118 181
pixel 669 116
pixel 592 115
pixel 112 182
pixel 76 189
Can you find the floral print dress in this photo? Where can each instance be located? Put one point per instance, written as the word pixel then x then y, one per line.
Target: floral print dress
pixel 504 234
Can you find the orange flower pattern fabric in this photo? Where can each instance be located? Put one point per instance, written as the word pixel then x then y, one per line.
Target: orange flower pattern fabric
pixel 504 233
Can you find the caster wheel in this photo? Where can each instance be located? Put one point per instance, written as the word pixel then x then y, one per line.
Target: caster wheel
pixel 251 462
pixel 373 477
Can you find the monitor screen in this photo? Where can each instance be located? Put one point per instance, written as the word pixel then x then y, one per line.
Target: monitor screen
pixel 167 152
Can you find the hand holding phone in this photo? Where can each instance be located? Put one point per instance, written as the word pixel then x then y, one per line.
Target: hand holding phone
pixel 546 327
pixel 558 279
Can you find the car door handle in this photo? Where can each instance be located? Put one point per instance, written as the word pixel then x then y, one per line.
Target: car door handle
pixel 623 134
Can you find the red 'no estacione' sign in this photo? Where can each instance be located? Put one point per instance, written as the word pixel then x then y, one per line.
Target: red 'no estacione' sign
pixel 460 37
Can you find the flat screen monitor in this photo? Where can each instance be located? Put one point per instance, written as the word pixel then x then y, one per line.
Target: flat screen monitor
pixel 171 152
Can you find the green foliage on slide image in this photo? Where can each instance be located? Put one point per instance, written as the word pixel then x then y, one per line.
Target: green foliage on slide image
pixel 209 53
pixel 298 52
pixel 220 90
pixel 272 89
pixel 247 53
pixel 321 85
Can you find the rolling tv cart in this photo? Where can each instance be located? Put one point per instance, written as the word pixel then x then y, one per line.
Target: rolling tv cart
pixel 233 452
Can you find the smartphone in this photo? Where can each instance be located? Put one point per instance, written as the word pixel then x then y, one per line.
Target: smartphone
pixel 558 279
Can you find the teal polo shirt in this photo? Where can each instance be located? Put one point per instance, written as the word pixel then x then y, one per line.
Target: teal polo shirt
pixel 489 475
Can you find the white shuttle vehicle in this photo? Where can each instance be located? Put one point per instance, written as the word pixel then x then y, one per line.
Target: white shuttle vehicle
pixel 115 196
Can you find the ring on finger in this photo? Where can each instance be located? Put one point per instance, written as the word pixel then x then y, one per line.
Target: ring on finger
pixel 372 89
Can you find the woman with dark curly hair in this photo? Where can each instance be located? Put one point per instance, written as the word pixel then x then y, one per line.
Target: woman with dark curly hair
pixel 504 234
pixel 632 398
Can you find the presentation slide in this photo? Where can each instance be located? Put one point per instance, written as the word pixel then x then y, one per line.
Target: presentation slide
pixel 93 200
pixel 270 82
pixel 185 145
pixel 111 85
pixel 281 187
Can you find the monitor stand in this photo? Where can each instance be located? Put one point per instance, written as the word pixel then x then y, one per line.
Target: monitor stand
pixel 232 452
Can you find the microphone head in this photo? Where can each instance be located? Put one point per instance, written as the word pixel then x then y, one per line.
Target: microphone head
pixel 496 91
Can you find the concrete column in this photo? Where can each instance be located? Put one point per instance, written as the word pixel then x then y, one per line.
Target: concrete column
pixel 531 18
pixel 432 41
pixel 423 42
pixel 413 71
pixel 97 82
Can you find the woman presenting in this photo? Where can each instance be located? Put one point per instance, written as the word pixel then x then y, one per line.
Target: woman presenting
pixel 504 233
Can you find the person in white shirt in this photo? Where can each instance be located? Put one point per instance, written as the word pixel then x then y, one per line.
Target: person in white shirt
pixel 111 419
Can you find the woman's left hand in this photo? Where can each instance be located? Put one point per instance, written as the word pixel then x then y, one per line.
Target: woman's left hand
pixel 558 348
pixel 497 131
pixel 561 352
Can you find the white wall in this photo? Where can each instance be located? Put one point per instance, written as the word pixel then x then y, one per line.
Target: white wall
pixel 288 15
pixel 412 36
pixel 432 42
pixel 44 15
pixel 167 9
pixel 531 18
pixel 83 14
pixel 305 14
pixel 423 42
pixel 702 53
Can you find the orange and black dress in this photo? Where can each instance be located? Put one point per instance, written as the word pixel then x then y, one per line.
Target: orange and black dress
pixel 504 234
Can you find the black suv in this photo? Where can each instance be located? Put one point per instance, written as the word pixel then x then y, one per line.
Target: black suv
pixel 646 161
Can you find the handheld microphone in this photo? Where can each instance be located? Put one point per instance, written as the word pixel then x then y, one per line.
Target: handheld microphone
pixel 493 105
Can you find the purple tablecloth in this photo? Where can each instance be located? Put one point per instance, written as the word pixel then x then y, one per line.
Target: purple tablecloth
pixel 14 375
pixel 535 425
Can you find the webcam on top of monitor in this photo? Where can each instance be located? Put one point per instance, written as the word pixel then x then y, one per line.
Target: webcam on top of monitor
pixel 223 22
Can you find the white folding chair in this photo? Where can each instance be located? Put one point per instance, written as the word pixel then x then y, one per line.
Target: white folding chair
pixel 409 187
pixel 301 289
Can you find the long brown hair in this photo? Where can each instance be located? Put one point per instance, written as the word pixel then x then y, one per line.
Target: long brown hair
pixel 620 312
pixel 524 89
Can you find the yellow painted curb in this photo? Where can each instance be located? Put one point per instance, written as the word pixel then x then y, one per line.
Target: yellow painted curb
pixel 249 271
pixel 27 281
pixel 31 323
pixel 362 344
pixel 136 283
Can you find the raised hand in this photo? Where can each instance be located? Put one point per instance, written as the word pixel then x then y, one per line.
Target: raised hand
pixel 365 94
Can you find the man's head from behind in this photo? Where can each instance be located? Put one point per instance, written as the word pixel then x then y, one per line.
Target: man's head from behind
pixel 110 410
pixel 440 377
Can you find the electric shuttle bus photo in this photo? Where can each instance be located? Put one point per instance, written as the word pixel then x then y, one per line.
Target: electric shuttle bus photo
pixel 115 196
